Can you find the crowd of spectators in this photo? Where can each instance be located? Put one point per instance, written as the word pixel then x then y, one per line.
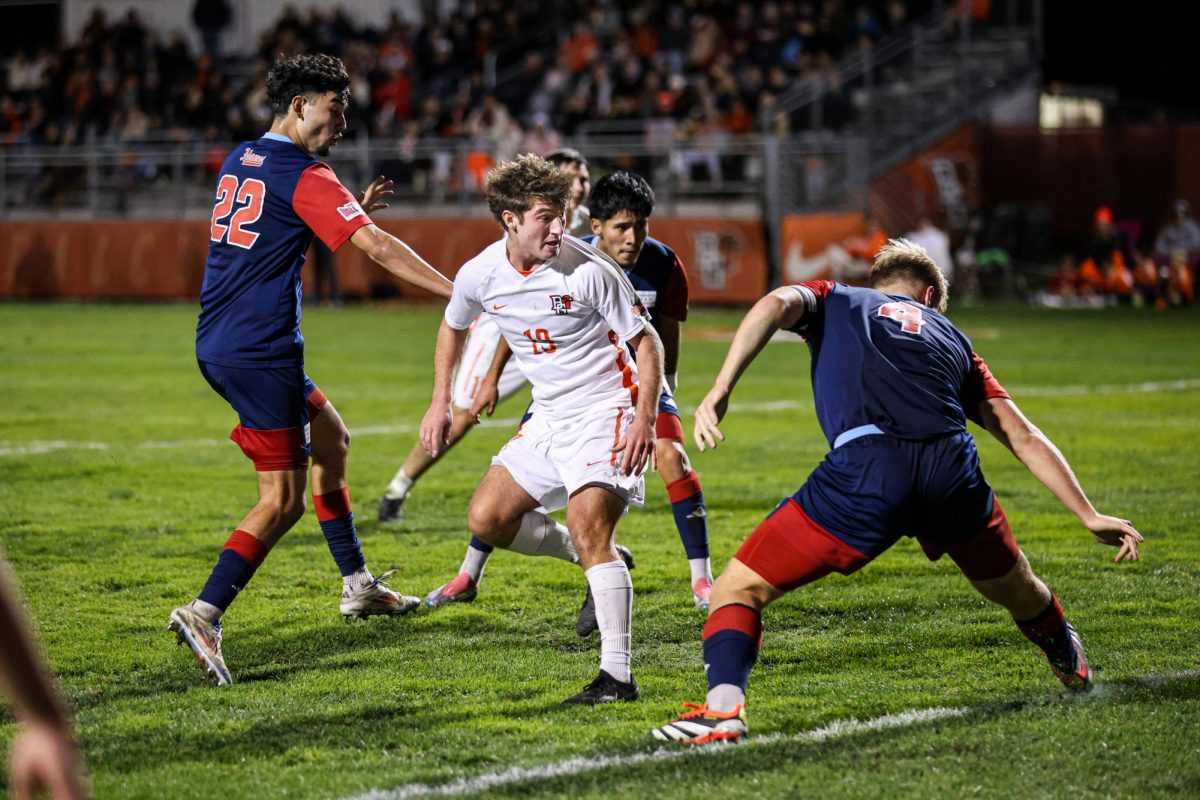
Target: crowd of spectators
pixel 1114 269
pixel 518 73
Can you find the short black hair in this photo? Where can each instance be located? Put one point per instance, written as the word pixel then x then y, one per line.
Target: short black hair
pixel 621 191
pixel 307 74
pixel 566 155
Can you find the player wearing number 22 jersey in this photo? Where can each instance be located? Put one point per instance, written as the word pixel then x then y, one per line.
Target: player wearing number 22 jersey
pixel 272 196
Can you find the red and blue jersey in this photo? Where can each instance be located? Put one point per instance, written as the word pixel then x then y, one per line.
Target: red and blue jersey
pixel 659 279
pixel 271 198
pixel 889 361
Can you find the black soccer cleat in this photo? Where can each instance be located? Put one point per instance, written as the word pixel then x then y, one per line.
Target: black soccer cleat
pixel 586 624
pixel 605 689
pixel 391 510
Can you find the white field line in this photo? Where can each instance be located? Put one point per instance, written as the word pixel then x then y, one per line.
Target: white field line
pixel 772 406
pixel 834 730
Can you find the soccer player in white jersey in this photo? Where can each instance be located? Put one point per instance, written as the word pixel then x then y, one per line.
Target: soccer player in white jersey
pixel 480 349
pixel 568 314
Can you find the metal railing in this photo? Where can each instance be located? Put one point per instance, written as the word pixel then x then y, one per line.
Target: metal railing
pixel 712 173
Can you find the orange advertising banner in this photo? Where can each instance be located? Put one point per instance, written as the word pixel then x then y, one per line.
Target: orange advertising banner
pixel 812 244
pixel 164 259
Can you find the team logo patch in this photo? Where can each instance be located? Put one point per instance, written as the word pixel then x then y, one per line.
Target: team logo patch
pixel 350 210
pixel 648 297
pixel 560 304
pixel 252 159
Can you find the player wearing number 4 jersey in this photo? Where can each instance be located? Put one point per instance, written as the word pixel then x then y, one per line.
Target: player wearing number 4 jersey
pixel 568 315
pixel 272 196
pixel 894 384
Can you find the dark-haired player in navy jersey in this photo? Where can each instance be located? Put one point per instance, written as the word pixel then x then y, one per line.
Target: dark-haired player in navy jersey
pixel 272 197
pixel 620 207
pixel 894 383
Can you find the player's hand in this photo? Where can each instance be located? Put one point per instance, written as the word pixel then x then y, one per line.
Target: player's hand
pixel 708 416
pixel 1118 533
pixel 486 398
pixel 435 427
pixel 44 759
pixel 372 197
pixel 636 446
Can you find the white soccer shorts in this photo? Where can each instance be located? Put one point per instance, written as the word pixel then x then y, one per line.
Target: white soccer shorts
pixel 477 358
pixel 551 460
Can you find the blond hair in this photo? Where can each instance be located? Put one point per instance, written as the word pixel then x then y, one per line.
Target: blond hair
pixel 516 185
pixel 907 262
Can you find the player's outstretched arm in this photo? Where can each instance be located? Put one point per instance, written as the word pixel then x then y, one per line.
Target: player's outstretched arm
pixel 488 393
pixel 401 260
pixel 435 426
pixel 1004 420
pixel 638 443
pixel 781 308
pixel 44 757
pixel 373 196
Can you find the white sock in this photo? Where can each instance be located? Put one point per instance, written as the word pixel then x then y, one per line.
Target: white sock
pixel 540 535
pixel 474 562
pixel 400 486
pixel 725 697
pixel 701 568
pixel 206 610
pixel 355 581
pixel 612 589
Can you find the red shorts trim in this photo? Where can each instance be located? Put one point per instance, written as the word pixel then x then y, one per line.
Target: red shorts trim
pixel 992 553
pixel 316 402
pixel 247 547
pixel 668 426
pixel 684 488
pixel 273 451
pixel 332 505
pixel 788 549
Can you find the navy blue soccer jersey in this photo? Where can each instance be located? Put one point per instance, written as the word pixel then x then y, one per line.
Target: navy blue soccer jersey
pixel 659 279
pixel 271 198
pixel 889 361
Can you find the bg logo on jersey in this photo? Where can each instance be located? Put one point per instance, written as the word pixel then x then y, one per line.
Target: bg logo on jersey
pixel 560 304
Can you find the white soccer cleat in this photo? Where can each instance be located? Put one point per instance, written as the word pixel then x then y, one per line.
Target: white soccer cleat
pixel 204 638
pixel 701 726
pixel 376 599
pixel 702 593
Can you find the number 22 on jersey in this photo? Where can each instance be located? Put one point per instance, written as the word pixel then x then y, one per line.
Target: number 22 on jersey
pixel 248 195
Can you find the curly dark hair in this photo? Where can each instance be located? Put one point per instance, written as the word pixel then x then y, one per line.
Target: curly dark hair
pixel 309 74
pixel 516 185
pixel 621 191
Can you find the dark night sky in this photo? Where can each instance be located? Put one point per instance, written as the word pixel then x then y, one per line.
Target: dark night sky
pixel 1149 56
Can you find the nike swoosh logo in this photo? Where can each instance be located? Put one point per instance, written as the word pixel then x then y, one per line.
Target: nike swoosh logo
pixel 594 463
pixel 497 308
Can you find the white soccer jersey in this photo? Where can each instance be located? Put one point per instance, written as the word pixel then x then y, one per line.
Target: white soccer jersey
pixel 567 322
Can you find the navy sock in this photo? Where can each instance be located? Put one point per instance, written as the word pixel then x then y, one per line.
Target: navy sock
pixel 337 523
pixel 691 520
pixel 235 566
pixel 481 545
pixel 1048 630
pixel 731 643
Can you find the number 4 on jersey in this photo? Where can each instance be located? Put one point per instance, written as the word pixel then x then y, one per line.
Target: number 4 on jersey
pixel 910 317
pixel 249 194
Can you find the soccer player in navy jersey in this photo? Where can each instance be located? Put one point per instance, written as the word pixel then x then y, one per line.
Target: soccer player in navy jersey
pixel 894 383
pixel 272 196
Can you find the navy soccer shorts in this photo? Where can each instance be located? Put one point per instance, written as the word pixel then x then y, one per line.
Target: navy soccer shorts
pixel 868 493
pixel 274 405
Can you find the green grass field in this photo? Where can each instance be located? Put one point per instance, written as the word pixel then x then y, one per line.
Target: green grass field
pixel 118 489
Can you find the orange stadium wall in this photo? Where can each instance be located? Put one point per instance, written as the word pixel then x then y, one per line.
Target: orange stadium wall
pixel 162 260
